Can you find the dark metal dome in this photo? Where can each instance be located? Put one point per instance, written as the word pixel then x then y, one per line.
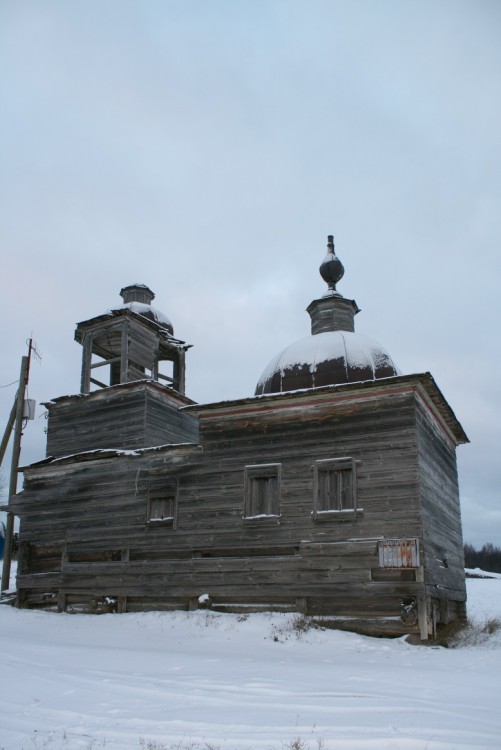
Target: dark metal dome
pixel 334 353
pixel 329 358
pixel 138 298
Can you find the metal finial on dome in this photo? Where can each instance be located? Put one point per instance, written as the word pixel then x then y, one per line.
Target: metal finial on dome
pixel 331 269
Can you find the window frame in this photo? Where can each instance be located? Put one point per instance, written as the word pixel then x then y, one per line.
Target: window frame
pixel 162 491
pixel 261 471
pixel 334 465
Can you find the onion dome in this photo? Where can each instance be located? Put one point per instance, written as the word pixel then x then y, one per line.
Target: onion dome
pixel 138 298
pixel 333 354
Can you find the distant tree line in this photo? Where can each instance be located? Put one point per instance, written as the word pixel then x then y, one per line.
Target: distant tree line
pixel 487 558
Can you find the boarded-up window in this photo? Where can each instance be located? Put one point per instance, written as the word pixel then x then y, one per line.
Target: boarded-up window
pixel 162 501
pixel 161 508
pixel 398 553
pixel 262 490
pixel 334 486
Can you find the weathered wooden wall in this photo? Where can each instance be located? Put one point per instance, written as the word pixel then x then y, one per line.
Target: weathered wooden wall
pixel 86 539
pixel 135 415
pixel 93 514
pixel 441 516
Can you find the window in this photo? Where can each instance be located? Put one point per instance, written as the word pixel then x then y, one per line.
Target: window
pixel 334 487
pixel 262 490
pixel 162 501
pixel 161 509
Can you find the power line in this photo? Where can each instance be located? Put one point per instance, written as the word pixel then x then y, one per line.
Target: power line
pixel 8 384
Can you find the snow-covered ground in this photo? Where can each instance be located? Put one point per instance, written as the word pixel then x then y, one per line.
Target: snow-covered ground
pixel 200 680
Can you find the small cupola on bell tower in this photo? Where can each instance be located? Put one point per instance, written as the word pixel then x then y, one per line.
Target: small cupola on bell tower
pixel 134 341
pixel 137 293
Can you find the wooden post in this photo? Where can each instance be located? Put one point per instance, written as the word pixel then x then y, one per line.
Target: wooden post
pixel 301 605
pixel 122 600
pixel 434 619
pixel 124 353
pixel 16 451
pixel 86 362
pixel 180 375
pixel 175 373
pixel 23 562
pixel 61 598
pixel 423 617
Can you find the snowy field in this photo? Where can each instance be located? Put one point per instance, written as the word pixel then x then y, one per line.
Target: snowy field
pixel 199 680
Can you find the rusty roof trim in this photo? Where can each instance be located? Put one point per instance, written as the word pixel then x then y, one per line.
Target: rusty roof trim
pixel 277 400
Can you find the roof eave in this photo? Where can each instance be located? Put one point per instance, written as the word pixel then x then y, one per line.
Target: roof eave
pixel 426 380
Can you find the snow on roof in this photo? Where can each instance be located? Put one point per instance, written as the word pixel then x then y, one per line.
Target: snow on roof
pixel 141 308
pixel 104 453
pixel 358 351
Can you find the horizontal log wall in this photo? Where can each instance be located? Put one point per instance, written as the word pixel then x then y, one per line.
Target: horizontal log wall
pixel 125 418
pixel 441 515
pixel 97 512
pixel 164 423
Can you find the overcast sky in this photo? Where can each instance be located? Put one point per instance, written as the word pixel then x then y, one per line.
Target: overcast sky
pixel 207 148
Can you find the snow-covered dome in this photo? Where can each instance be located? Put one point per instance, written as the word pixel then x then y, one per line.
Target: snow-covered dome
pixel 328 358
pixel 334 353
pixel 138 298
pixel 150 312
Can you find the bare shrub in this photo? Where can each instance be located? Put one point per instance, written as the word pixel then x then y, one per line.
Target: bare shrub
pixel 298 743
pixel 473 633
pixel 300 625
pixel 295 744
pixel 297 627
pixel 146 744
pixel 492 626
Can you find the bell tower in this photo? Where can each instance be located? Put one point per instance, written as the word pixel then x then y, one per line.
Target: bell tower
pixel 132 342
pixel 132 387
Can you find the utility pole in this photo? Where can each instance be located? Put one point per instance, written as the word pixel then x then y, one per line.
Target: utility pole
pixel 8 430
pixel 16 451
